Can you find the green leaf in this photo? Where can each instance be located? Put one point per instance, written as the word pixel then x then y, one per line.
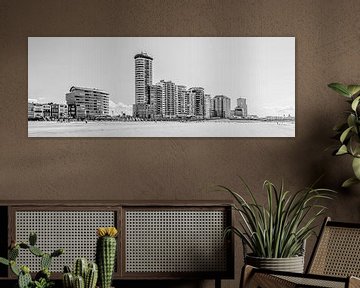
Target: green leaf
pixel 342 150
pixel 36 251
pixel 45 261
pixel 351 120
pixel 354 145
pixel 349 182
pixel 4 261
pixel 14 268
pixel 356 167
pixel 340 88
pixel 353 89
pixel 355 103
pixel 345 134
pixel 350 148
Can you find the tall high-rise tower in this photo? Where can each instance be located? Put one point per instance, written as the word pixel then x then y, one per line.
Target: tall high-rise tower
pixel 143 79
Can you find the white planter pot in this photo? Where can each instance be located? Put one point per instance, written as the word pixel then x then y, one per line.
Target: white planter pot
pixel 291 264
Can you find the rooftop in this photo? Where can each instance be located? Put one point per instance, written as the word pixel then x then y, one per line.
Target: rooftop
pixel 196 88
pixel 143 55
pixel 221 96
pixel 87 89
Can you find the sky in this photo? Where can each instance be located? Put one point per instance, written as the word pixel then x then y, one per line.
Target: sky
pixel 260 69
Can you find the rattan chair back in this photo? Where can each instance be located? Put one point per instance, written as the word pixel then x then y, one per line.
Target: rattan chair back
pixel 337 252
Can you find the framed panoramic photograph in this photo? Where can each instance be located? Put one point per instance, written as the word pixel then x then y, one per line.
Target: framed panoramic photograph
pixel 161 87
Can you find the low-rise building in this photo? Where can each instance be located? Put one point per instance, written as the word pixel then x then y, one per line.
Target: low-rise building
pixel 38 111
pixel 35 110
pixel 145 111
pixel 241 108
pixel 87 102
pixel 59 111
pixel 31 110
pixel 46 111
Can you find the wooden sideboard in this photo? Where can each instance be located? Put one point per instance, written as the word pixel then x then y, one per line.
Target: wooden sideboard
pixel 164 240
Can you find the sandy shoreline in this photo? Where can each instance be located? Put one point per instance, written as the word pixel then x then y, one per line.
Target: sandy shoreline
pixel 162 129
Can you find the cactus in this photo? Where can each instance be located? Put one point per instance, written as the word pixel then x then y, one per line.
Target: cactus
pixel 24 280
pixel 67 269
pixel 36 251
pixel 13 253
pixel 45 261
pixel 14 268
pixel 68 280
pixel 80 267
pixel 90 272
pixel 24 277
pixel 42 278
pixel 105 254
pixel 79 282
pixel 25 269
pixel 91 276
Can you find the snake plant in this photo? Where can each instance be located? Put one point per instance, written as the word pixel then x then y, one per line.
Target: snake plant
pixel 348 132
pixel 279 228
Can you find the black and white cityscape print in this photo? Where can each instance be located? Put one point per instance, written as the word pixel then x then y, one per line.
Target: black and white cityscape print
pixel 161 87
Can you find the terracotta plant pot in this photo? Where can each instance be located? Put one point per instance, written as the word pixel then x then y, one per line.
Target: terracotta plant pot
pixel 291 264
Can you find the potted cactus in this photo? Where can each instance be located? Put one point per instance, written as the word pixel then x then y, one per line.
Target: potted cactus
pixel 84 275
pixel 42 278
pixel 106 254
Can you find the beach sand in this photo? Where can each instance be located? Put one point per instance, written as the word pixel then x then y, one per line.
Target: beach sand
pixel 224 128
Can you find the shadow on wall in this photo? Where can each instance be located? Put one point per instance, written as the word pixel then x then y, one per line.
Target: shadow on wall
pixel 313 147
pixel 335 169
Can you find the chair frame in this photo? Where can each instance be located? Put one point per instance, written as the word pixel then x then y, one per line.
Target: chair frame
pixel 267 278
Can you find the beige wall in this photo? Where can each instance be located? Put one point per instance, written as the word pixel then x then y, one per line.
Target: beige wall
pixel 327 50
